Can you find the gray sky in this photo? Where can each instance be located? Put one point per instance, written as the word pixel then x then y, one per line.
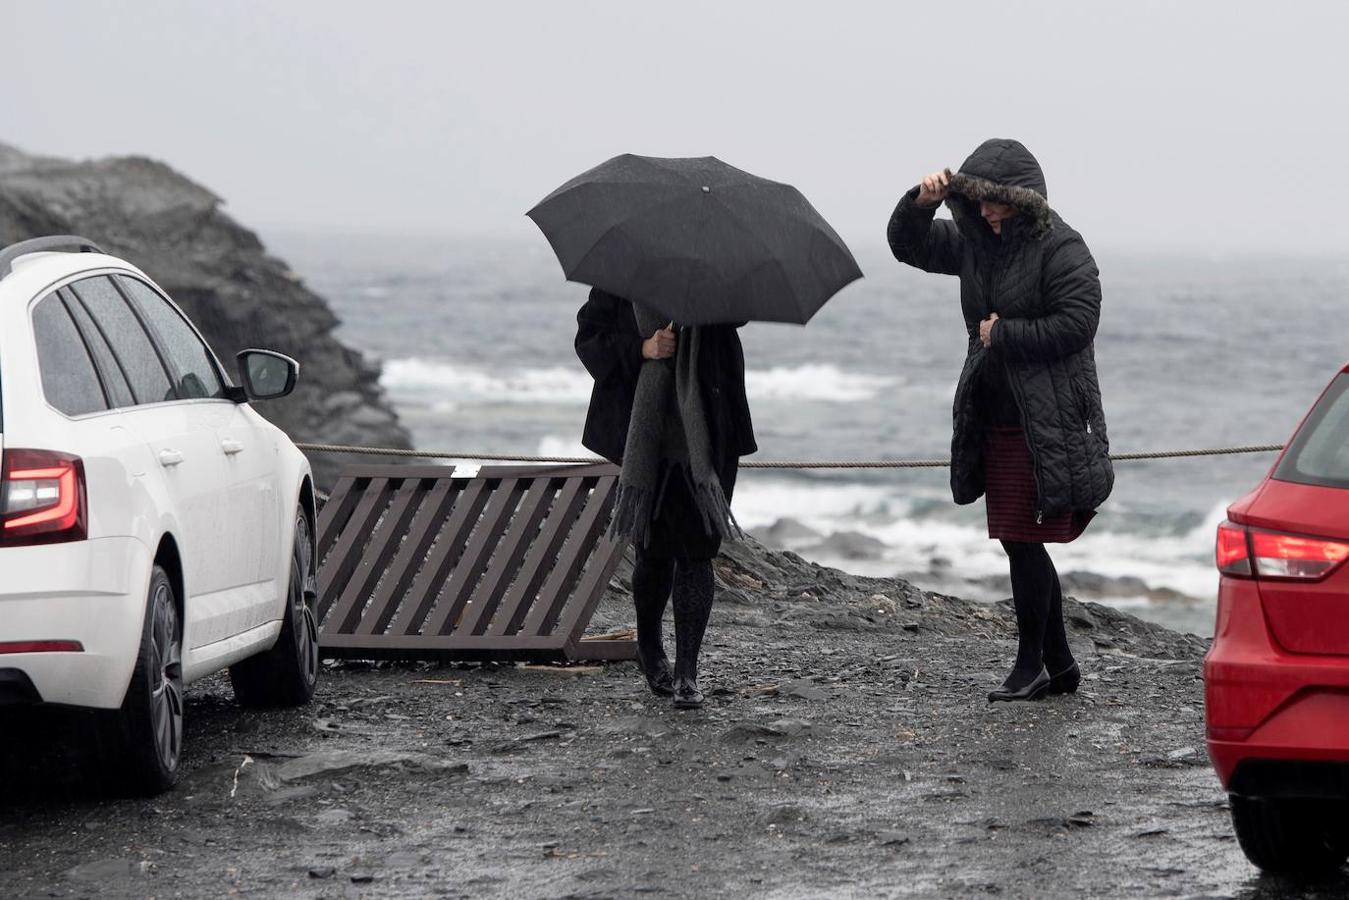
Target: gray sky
pixel 1215 126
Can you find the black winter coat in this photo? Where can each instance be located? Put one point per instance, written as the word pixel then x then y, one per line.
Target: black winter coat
pixel 611 350
pixel 1041 280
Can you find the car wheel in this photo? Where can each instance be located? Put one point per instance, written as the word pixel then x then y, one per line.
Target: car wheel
pixel 1292 837
pixel 147 732
pixel 286 674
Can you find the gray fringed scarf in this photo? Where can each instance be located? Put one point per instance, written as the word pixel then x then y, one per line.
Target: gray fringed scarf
pixel 668 431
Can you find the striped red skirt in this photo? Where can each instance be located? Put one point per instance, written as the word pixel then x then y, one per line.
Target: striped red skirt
pixel 1009 493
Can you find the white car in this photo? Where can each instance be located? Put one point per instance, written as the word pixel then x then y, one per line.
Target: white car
pixel 154 528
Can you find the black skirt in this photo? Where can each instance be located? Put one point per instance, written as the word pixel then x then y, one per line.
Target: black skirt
pixel 678 530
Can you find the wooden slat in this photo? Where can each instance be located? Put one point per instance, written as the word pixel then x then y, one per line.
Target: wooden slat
pixel 342 560
pixel 426 587
pixel 601 650
pixel 571 559
pixel 375 556
pixel 430 518
pixel 578 606
pixel 398 470
pixel 524 591
pixel 448 641
pixel 470 567
pixel 335 513
pixel 506 556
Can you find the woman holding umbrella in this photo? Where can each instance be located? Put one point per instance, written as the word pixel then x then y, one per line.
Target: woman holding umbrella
pixel 699 248
pixel 680 456
pixel 1029 433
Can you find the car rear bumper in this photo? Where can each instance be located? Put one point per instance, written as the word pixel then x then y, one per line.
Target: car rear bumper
pixel 1275 719
pixel 90 591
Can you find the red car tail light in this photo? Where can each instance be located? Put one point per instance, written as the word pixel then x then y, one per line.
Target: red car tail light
pixel 1233 551
pixel 42 498
pixel 1292 556
pixel 41 647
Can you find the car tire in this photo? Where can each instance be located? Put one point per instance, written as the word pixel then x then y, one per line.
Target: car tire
pixel 1291 837
pixel 287 674
pixel 145 736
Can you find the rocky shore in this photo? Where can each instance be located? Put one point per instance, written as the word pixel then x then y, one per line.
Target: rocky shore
pixel 854 548
pixel 846 750
pixel 218 271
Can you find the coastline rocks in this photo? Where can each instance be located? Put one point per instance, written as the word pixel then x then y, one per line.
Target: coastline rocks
pixel 785 532
pixel 849 545
pixel 219 273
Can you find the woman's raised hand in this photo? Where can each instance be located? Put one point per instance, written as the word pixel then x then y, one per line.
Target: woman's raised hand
pixel 934 188
pixel 660 345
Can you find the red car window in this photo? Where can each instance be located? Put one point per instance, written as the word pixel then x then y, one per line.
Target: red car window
pixel 1319 453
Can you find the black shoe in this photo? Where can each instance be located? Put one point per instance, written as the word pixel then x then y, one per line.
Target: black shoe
pixel 1036 688
pixel 659 676
pixel 1066 682
pixel 687 695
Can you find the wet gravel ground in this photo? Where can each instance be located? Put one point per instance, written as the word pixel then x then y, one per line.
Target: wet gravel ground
pixel 846 750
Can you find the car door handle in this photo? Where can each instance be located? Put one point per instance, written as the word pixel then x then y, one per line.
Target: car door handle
pixel 231 447
pixel 170 458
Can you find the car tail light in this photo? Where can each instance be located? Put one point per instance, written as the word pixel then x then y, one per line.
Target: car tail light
pixel 41 647
pixel 1233 551
pixel 1292 556
pixel 1273 554
pixel 42 498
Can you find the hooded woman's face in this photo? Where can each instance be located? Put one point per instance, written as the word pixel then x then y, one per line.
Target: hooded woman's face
pixel 996 213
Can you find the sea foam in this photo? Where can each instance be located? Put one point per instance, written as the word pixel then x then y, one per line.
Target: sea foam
pixel 570 385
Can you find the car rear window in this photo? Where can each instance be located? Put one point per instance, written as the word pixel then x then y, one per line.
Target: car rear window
pixel 127 338
pixel 1319 453
pixel 69 380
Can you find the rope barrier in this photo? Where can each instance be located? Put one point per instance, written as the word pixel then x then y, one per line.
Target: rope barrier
pixel 766 464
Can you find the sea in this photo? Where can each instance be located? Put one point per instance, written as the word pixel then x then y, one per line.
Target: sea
pixel 475 339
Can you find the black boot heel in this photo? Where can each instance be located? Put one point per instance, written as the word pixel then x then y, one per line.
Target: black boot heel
pixel 1066 682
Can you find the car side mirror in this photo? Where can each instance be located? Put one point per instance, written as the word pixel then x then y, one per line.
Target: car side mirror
pixel 266 374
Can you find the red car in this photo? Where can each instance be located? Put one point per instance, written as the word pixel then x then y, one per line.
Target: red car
pixel 1276 679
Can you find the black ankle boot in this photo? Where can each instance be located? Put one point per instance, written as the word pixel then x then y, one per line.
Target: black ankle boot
pixel 687 695
pixel 1066 681
pixel 658 674
pixel 1017 688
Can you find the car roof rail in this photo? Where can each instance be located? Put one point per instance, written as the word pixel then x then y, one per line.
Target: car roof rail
pixel 56 243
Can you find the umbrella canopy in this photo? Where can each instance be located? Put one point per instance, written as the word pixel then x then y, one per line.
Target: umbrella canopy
pixel 699 241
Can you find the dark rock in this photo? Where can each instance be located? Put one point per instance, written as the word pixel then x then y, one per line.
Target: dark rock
pixel 218 271
pixel 108 871
pixel 786 815
pixel 802 689
pixel 326 762
pixel 785 532
pixel 322 871
pixel 849 545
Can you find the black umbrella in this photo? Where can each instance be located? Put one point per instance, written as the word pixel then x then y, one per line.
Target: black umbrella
pixel 697 240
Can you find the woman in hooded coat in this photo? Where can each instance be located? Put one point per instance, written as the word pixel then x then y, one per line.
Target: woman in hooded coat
pixel 670 408
pixel 1029 432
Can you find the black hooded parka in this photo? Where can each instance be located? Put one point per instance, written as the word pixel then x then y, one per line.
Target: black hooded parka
pixel 1041 280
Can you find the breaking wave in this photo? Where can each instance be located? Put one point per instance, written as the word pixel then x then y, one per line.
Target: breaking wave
pixel 446 381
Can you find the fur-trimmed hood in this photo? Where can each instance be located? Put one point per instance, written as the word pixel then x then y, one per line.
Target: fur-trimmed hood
pixel 1002 171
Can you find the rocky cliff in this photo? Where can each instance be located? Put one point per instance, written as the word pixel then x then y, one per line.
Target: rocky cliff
pixel 221 275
